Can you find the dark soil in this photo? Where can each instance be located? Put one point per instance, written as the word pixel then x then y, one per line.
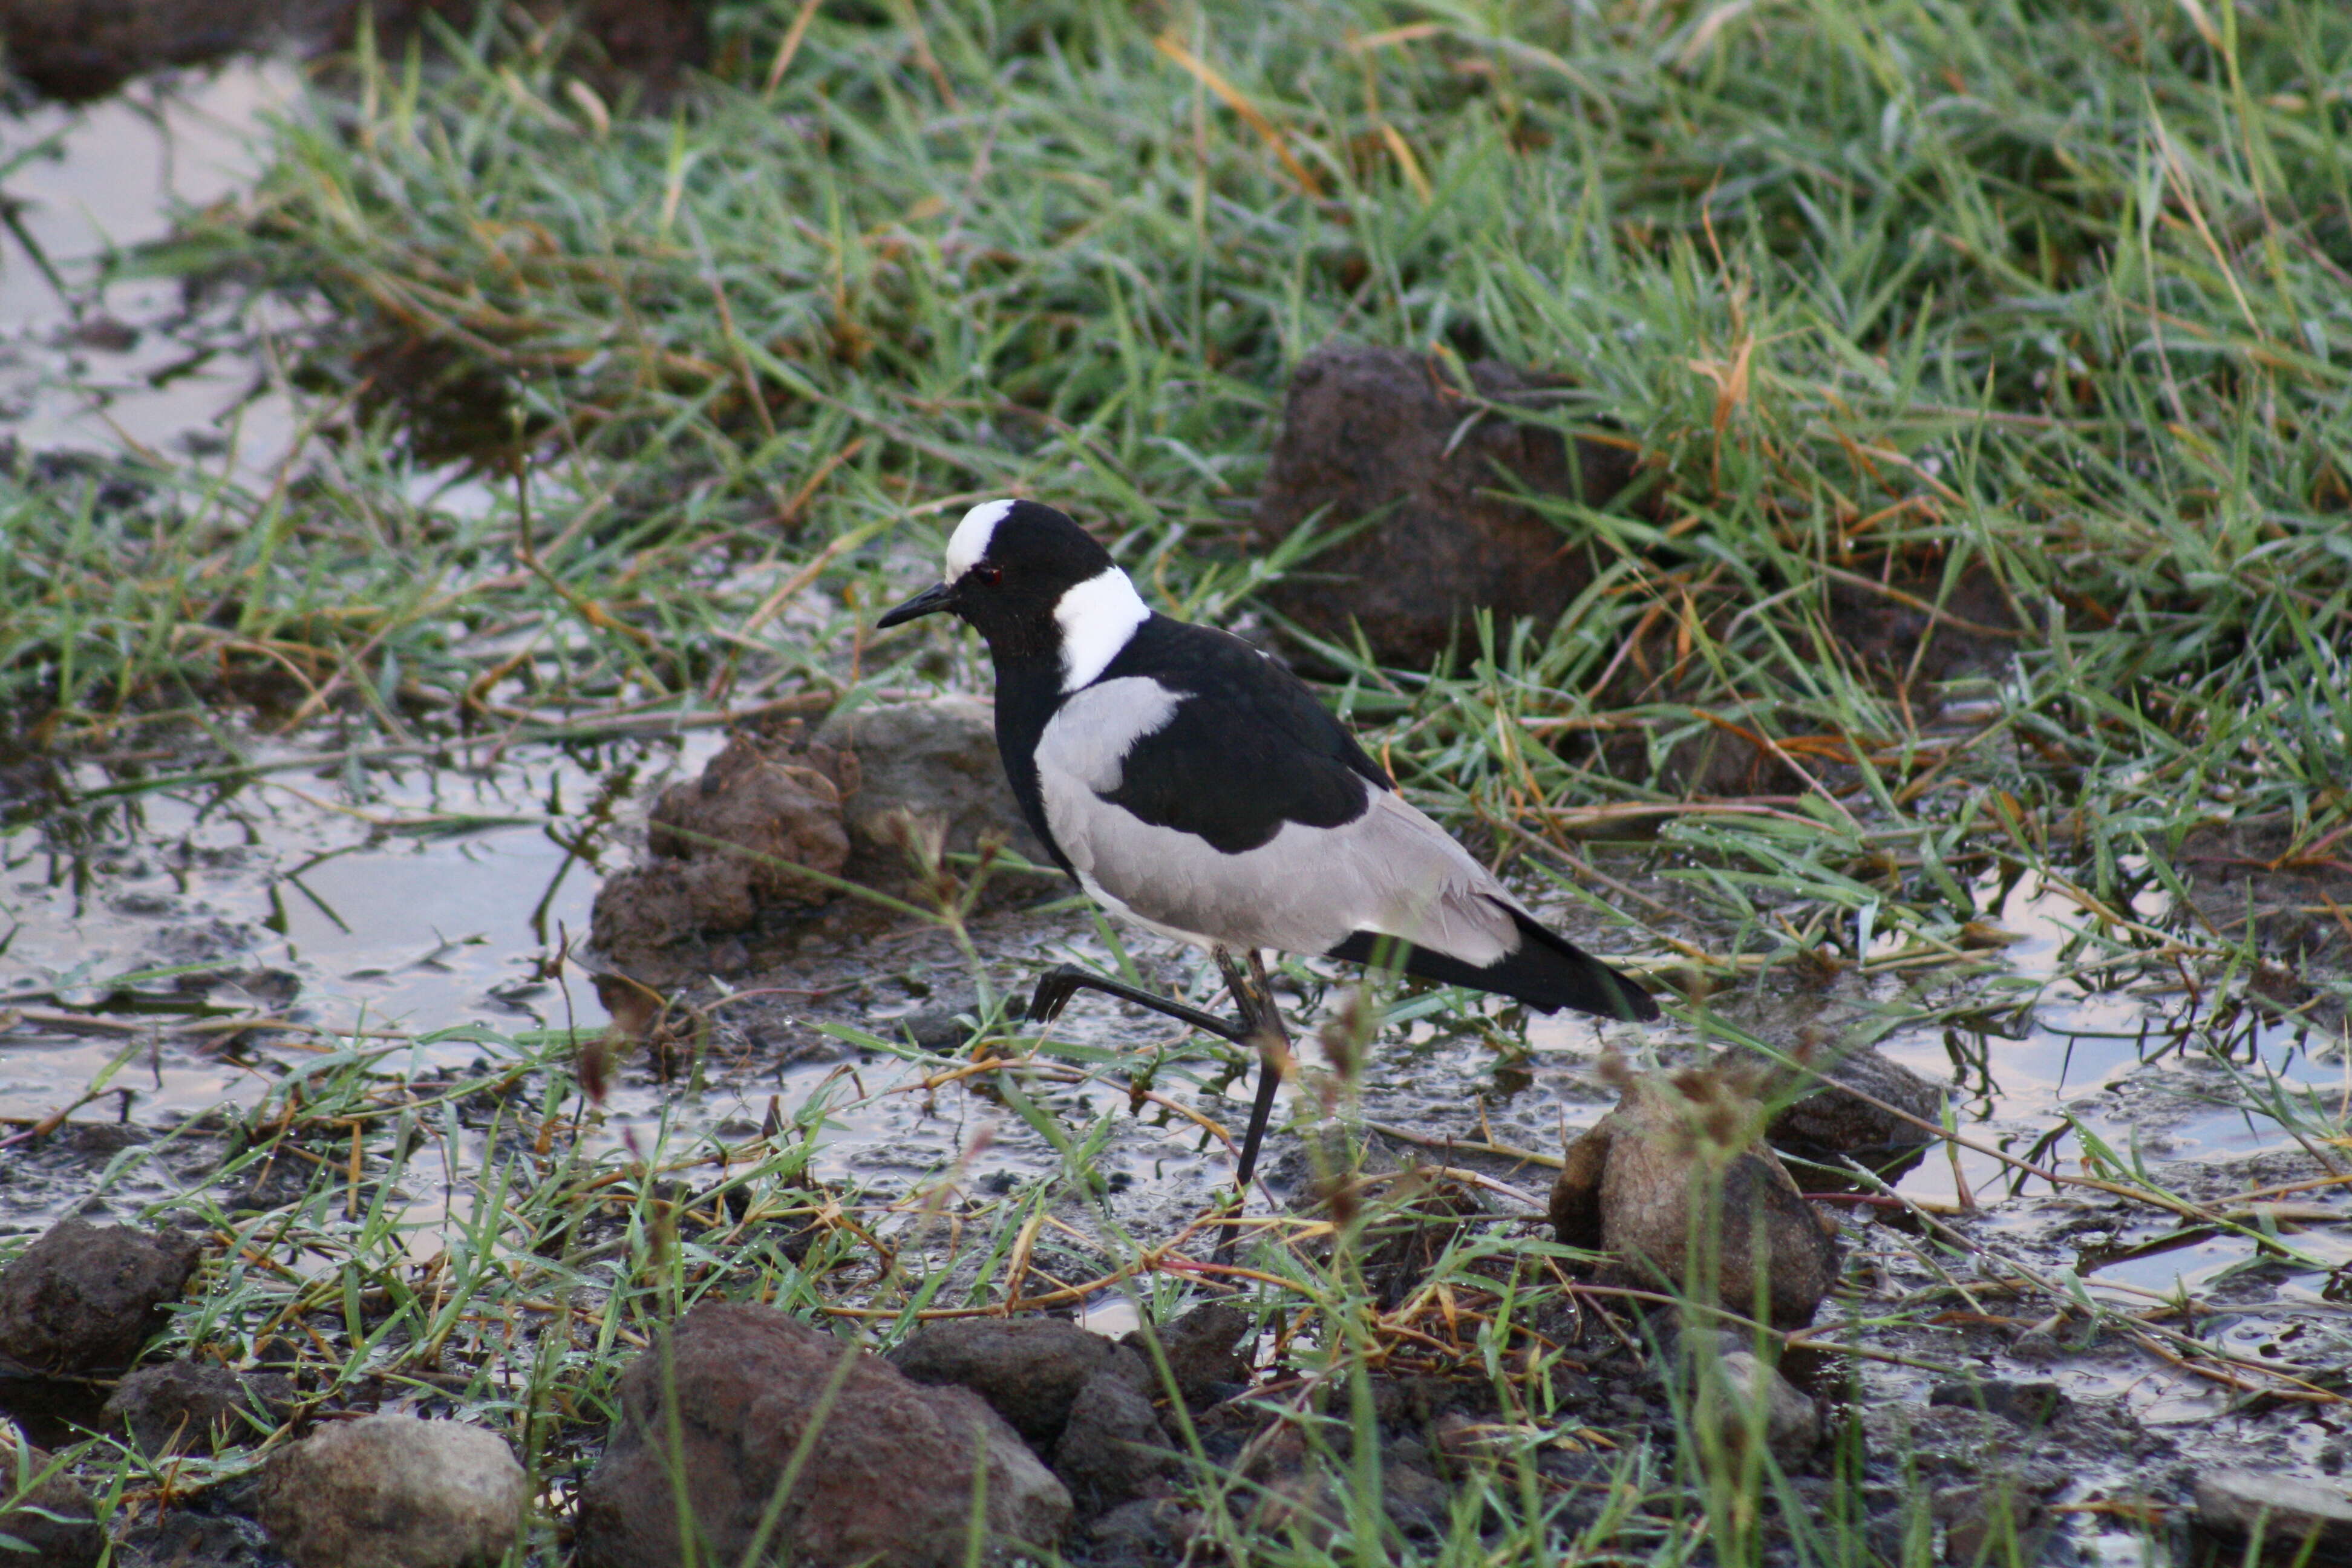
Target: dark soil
pixel 1380 435
pixel 84 1297
pixel 75 50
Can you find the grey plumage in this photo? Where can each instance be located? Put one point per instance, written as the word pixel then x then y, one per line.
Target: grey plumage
pixel 1390 872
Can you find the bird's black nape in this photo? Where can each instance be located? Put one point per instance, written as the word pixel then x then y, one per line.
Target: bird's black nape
pixel 1037 547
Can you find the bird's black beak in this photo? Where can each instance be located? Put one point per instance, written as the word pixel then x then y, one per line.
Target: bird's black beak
pixel 929 602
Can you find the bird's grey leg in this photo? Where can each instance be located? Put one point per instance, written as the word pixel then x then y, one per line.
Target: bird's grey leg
pixel 1262 1026
pixel 1058 983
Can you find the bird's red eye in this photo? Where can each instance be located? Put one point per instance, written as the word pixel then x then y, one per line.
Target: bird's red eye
pixel 988 574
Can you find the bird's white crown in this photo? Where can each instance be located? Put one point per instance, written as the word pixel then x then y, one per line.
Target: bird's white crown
pixel 970 541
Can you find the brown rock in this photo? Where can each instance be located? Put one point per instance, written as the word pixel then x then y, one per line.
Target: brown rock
pixel 188 1407
pixel 888 1480
pixel 44 1508
pixel 1199 1351
pixel 725 848
pixel 85 1297
pixel 1379 433
pixel 394 1491
pixel 1629 1186
pixel 1030 1370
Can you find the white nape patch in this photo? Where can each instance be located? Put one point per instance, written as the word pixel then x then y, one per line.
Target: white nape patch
pixel 970 541
pixel 1096 616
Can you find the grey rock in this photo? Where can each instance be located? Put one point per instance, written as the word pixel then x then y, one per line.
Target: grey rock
pixel 394 1491
pixel 2030 1404
pixel 1416 1501
pixel 1030 1370
pixel 888 1479
pixel 926 767
pixel 1830 1121
pixel 86 1296
pixel 1112 1451
pixel 1147 1533
pixel 189 1407
pixel 1997 1521
pixel 1628 1182
pixel 2285 1510
pixel 1750 1388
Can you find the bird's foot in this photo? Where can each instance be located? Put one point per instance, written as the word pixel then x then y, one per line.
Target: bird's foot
pixel 1055 989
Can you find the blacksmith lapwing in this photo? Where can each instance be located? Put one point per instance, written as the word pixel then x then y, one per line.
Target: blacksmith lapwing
pixel 1194 786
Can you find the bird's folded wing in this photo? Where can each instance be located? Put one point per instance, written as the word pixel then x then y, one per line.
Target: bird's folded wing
pixel 1389 870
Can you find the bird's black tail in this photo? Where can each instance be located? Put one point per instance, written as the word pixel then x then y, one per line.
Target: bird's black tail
pixel 1546 970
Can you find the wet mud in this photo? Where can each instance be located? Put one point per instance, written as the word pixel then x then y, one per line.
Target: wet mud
pixel 856 1022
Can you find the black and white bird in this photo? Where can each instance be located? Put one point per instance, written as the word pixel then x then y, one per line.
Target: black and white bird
pixel 1195 788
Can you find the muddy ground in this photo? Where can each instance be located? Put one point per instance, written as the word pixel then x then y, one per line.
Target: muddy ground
pixel 1941 1292
pixel 2006 1359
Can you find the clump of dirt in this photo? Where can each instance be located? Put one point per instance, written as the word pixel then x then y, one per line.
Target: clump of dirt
pixel 1370 433
pixel 190 1407
pixel 54 1522
pixel 84 1297
pixel 731 845
pixel 1899 617
pixel 1202 1352
pixel 888 1477
pixel 2297 883
pixel 1860 1104
pixel 887 798
pixel 931 783
pixel 1630 1182
pixel 1087 1405
pixel 1030 1370
pixel 75 50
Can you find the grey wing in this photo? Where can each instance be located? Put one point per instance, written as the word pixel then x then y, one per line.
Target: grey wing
pixel 1390 872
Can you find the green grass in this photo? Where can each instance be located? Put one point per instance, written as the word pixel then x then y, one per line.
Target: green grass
pixel 2040 306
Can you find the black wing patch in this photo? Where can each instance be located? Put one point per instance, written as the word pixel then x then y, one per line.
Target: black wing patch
pixel 1545 970
pixel 1248 750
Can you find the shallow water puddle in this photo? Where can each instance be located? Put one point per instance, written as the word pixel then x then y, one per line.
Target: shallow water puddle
pixel 437 904
pixel 92 361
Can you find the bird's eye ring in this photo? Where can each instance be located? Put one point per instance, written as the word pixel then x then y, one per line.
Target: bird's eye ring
pixel 987 574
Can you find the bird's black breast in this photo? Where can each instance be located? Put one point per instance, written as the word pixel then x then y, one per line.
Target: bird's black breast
pixel 1248 750
pixel 1027 692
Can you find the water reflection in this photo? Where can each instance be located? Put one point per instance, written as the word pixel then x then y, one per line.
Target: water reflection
pixel 95 359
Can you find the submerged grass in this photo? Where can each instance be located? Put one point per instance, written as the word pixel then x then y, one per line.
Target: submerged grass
pixel 2022 327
